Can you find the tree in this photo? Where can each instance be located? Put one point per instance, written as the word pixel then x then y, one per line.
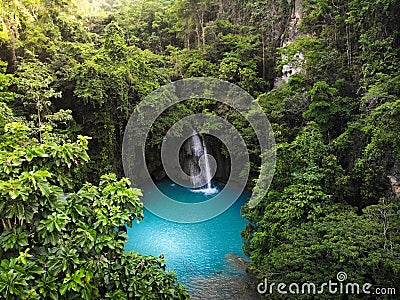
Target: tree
pixel 68 247
pixel 192 16
pixel 109 84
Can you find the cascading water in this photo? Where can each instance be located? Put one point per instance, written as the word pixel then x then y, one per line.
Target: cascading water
pixel 207 167
pixel 197 145
pixel 196 149
pixel 200 180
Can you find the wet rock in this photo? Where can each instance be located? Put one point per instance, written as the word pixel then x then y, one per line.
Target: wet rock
pixel 242 287
pixel 236 261
pixel 159 175
pixel 395 184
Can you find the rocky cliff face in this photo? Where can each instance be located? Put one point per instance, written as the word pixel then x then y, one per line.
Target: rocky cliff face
pixel 292 29
pixel 214 147
pixel 291 34
pixel 395 184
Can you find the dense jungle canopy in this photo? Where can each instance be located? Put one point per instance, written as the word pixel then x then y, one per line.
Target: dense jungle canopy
pixel 325 72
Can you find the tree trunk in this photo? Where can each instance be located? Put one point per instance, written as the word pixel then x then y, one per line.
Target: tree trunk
pixel 263 54
pixel 349 51
pixel 203 29
pixel 198 36
pixel 12 67
pixel 187 34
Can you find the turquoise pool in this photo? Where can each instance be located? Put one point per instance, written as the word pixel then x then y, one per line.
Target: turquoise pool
pixel 198 252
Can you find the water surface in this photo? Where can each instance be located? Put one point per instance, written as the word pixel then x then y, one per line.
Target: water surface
pixel 202 253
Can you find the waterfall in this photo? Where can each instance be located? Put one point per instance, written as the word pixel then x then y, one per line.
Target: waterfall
pixel 197 145
pixel 200 170
pixel 207 167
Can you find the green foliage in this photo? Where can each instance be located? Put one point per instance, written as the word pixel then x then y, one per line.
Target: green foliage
pixel 6 80
pixel 284 107
pixel 57 246
pixel 110 83
pixel 34 80
pixel 330 207
pixel 374 144
pixel 316 252
pixel 190 63
pixel 331 111
pixel 305 231
pixel 148 24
